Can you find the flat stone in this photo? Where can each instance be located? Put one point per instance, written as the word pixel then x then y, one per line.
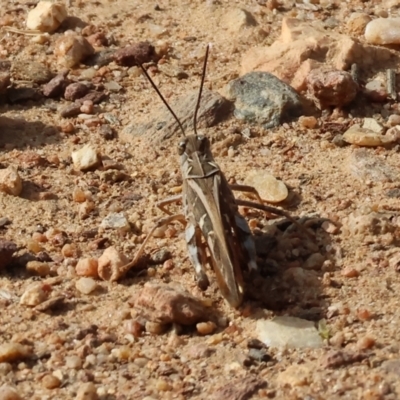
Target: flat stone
pixel 366 166
pixel 264 99
pixel 268 187
pixel 383 31
pixel 116 221
pixel 288 332
pixel 365 137
pixel 162 125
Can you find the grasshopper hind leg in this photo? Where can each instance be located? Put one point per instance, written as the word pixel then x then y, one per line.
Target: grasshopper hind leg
pixel 247 241
pixel 197 254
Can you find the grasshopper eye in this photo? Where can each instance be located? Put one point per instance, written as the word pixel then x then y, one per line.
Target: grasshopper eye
pixel 182 147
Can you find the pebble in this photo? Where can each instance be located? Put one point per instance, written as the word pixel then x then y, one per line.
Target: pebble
pixel 110 264
pixel 169 304
pixel 376 91
pixel 206 328
pixel 38 268
pixel 373 125
pixel 155 327
pixel 50 381
pixel 116 221
pixel 75 91
pixel 113 86
pixel 86 285
pixel 288 332
pixel 72 49
pixel 73 362
pixel 34 295
pixel 70 110
pixel 393 120
pixel 85 158
pixel 10 181
pixel 331 87
pixel 10 352
pixel 314 261
pixel 46 16
pixel 78 195
pixel 141 52
pixel 350 272
pixel 87 107
pixel 308 122
pixel 365 342
pixel 365 137
pixel 9 393
pixel 383 31
pixel 269 188
pixel 87 267
pixel 87 391
pixel 262 98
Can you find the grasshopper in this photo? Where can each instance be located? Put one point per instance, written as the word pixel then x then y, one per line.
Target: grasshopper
pixel 210 212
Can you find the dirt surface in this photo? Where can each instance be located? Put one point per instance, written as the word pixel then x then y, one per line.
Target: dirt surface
pixel 89 338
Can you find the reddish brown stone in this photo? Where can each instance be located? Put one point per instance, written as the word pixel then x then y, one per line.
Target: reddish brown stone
pixel 141 52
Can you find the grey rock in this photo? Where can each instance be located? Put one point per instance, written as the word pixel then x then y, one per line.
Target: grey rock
pixel 262 98
pixel 70 110
pixel 56 86
pixel 162 126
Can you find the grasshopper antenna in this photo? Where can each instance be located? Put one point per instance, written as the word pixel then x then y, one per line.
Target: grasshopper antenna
pixel 162 98
pixel 203 75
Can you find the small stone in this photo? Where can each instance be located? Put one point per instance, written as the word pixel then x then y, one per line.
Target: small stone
pixel 365 137
pixel 331 87
pixel 141 52
pixel 314 261
pixel 155 328
pixel 75 91
pixel 364 343
pixel 70 110
pixel 87 267
pixel 110 264
pixel 373 125
pixel 383 31
pixel 10 352
pixel 338 339
pixel 376 90
pixel 87 391
pixel 73 362
pixel 87 107
pixel 116 221
pixel 393 120
pixel 38 268
pixel 288 332
pixel 350 272
pixel 113 86
pixel 86 285
pixel 72 49
pixel 308 122
pixel 339 358
pixel 10 181
pixel 329 227
pixel 269 188
pixel 169 304
pixel 78 195
pixel 206 328
pixel 50 381
pixel 134 327
pixel 34 295
pixel 46 16
pixel 163 386
pixel 9 393
pixel 357 22
pixel 85 158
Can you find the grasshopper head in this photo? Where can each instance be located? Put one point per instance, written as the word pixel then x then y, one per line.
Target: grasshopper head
pixel 196 157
